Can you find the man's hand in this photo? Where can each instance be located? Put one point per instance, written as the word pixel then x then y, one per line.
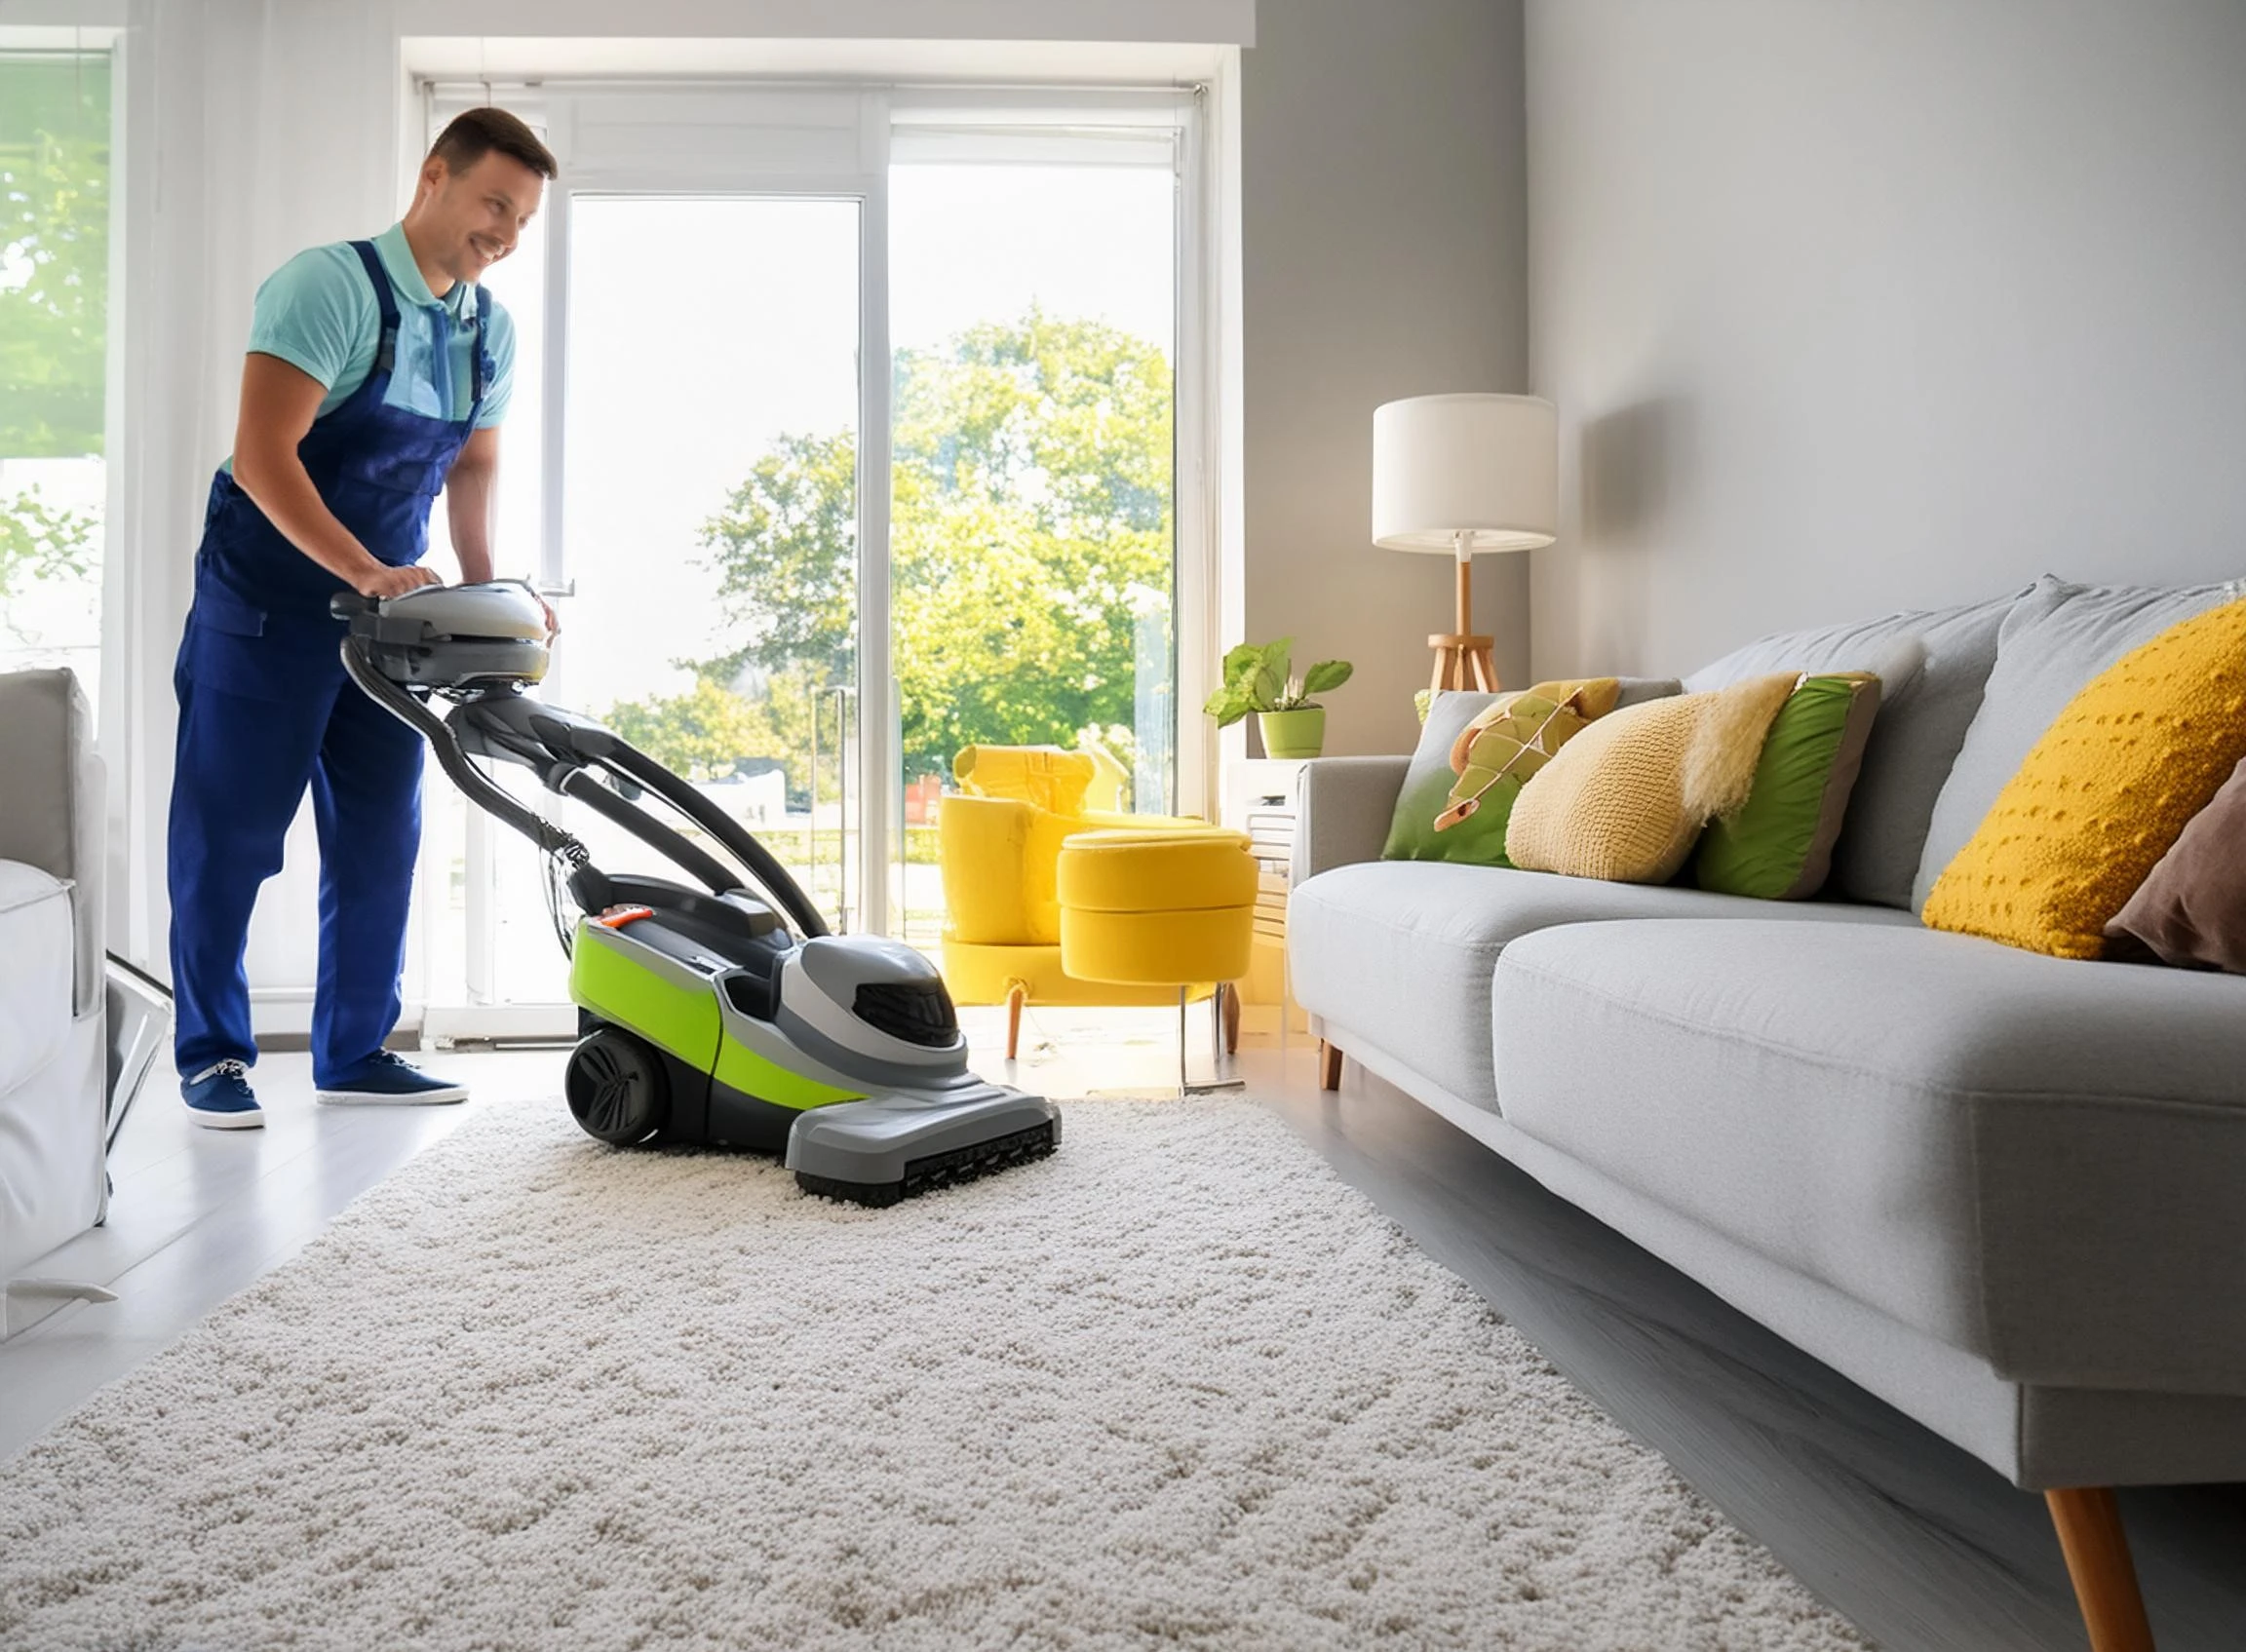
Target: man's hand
pixel 553 620
pixel 381 580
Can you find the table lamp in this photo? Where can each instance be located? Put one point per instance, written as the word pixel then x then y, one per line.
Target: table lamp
pixel 1453 475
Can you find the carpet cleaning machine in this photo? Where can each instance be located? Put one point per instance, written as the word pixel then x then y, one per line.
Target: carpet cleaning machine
pixel 726 1015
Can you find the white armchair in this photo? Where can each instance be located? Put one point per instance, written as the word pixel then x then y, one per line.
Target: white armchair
pixel 53 1044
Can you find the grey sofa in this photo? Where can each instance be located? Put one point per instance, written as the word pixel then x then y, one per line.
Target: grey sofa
pixel 2004 1192
pixel 53 1045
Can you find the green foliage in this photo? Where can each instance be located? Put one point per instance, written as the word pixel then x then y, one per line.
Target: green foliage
pixel 53 298
pixel 713 731
pixel 785 550
pixel 54 254
pixel 1256 679
pixel 1029 517
pixel 40 542
pixel 702 733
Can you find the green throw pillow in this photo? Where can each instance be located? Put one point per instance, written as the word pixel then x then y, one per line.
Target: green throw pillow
pixel 1446 813
pixel 1779 845
pixel 1411 834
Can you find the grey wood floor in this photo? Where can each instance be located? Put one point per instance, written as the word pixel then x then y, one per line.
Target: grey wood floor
pixel 1922 1546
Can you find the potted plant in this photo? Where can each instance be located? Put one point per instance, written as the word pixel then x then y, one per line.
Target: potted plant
pixel 1256 679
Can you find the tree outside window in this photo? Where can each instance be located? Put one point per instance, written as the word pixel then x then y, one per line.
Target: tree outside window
pixel 54 167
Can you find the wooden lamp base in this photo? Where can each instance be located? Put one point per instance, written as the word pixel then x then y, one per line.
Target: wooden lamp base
pixel 1463 662
pixel 1462 659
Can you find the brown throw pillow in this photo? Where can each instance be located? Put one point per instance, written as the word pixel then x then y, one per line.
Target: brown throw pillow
pixel 2190 908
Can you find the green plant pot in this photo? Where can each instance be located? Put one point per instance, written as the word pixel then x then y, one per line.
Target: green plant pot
pixel 1294 734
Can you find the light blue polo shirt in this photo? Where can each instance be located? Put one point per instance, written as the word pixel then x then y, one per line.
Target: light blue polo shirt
pixel 318 313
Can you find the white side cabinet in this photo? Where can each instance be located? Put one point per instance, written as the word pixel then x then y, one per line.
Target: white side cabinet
pixel 1261 797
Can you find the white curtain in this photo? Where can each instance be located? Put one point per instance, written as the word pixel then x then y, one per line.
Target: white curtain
pixel 254 128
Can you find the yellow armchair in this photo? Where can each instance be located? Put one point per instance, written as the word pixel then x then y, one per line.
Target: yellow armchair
pixel 998 841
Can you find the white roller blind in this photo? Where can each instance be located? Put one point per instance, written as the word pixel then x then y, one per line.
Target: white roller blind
pixel 717 135
pixel 1033 146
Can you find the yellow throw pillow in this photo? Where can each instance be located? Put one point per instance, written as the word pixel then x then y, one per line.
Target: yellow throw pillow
pixel 1628 797
pixel 2103 793
pixel 1043 776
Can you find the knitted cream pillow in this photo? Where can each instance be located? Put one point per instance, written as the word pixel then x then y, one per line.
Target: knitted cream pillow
pixel 1628 797
pixel 2103 793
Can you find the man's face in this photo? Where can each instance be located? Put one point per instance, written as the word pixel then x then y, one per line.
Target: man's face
pixel 479 213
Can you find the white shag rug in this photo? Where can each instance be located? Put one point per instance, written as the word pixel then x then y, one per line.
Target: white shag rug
pixel 1175 1386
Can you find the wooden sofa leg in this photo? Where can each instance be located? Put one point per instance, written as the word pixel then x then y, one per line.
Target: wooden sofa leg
pixel 1015 998
pixel 1228 1011
pixel 2097 1551
pixel 1328 1065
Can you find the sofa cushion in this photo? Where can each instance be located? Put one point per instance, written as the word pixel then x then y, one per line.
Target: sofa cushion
pixel 2033 1159
pixel 1475 754
pixel 2055 639
pixel 1402 950
pixel 1922 725
pixel 36 964
pixel 2103 793
pixel 1778 845
pixel 1444 716
pixel 1629 798
pixel 2192 910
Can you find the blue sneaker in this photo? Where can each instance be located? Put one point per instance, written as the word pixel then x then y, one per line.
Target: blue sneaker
pixel 219 1097
pixel 385 1080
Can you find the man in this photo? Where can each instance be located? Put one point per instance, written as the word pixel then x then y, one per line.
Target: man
pixel 377 377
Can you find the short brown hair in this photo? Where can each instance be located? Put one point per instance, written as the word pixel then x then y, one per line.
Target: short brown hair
pixel 475 135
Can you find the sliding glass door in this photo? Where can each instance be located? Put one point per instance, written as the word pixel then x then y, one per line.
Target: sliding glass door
pixel 760 587
pixel 1033 546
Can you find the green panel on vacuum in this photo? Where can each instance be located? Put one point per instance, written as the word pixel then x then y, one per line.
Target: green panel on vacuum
pixel 767 1081
pixel 606 980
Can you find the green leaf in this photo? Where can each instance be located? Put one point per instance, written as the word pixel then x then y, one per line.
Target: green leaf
pixel 1326 674
pixel 1268 684
pixel 1241 664
pixel 1227 707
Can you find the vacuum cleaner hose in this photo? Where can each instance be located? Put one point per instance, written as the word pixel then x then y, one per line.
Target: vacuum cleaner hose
pixel 586 788
pixel 634 764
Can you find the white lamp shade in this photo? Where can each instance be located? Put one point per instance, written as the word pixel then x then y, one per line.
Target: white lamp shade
pixel 1483 466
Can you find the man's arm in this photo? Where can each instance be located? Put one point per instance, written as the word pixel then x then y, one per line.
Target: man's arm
pixel 468 492
pixel 468 496
pixel 279 403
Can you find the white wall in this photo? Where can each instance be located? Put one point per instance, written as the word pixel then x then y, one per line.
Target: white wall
pixel 1382 255
pixel 1850 306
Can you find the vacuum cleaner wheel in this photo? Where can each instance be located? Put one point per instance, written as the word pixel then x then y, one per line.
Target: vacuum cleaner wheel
pixel 616 1087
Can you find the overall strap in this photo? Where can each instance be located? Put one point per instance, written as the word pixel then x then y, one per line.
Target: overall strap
pixel 476 356
pixel 386 353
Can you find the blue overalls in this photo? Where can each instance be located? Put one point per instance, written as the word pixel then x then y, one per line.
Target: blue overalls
pixel 265 709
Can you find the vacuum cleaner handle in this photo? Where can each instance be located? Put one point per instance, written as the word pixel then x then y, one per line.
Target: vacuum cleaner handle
pixel 481 790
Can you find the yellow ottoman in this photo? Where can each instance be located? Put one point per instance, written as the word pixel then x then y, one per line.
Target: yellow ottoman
pixel 1168 908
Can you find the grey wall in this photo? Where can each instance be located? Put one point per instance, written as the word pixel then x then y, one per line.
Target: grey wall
pixel 1382 254
pixel 1851 306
